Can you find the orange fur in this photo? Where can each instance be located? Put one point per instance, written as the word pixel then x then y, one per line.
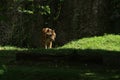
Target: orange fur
pixel 48 36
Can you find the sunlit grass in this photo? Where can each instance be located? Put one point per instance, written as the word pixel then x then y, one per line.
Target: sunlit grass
pixel 106 42
pixel 63 71
pixel 12 48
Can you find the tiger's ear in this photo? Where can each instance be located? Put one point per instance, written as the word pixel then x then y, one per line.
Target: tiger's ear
pixel 53 31
pixel 44 30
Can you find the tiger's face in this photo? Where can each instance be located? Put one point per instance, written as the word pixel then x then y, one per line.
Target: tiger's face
pixel 49 34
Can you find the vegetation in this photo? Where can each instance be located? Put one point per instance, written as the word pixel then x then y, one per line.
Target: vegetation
pixel 12 48
pixel 84 54
pixel 61 73
pixel 106 42
pixel 30 70
pixel 21 21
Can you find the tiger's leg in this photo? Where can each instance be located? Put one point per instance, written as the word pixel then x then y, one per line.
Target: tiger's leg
pixel 50 44
pixel 46 45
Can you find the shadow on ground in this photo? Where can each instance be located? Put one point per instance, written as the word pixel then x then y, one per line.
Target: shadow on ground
pixel 70 56
pixel 62 56
pixel 61 64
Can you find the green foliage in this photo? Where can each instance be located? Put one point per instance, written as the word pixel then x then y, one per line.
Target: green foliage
pixel 3 69
pixel 43 10
pixel 25 11
pixel 29 7
pixel 46 10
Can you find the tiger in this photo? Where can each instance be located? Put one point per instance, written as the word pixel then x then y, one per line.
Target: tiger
pixel 48 36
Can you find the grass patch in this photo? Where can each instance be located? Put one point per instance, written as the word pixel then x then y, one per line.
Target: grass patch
pixel 101 46
pixel 61 73
pixel 109 44
pixel 106 42
pixel 12 48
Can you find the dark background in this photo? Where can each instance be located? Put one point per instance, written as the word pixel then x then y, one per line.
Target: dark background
pixel 71 19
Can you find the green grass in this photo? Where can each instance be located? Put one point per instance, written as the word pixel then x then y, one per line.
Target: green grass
pixel 106 42
pixel 14 70
pixel 61 73
pixel 12 48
